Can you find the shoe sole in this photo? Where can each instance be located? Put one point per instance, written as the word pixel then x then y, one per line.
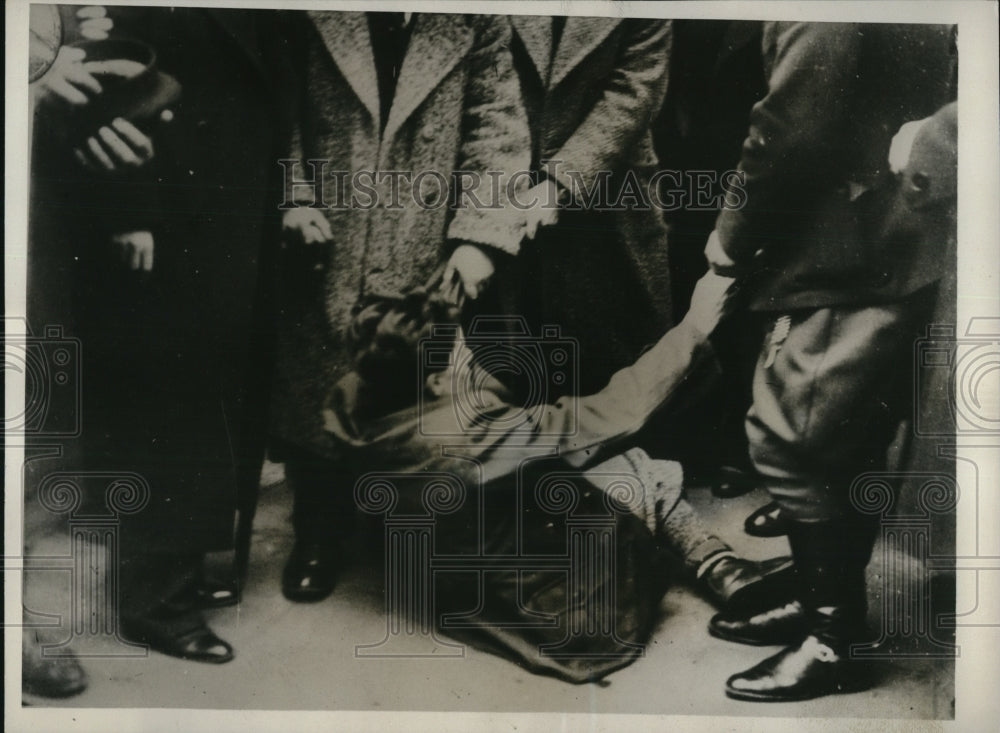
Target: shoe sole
pixel 751 696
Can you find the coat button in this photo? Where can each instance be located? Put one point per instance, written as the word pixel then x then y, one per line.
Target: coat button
pixel 428 132
pixel 920 181
pixel 881 279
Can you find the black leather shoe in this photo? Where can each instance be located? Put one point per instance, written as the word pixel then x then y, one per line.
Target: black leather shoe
pixel 311 572
pixel 205 594
pixel 811 669
pixel 49 676
pixel 731 482
pixel 768 521
pixel 782 625
pixel 187 637
pixel 740 584
pixel 216 594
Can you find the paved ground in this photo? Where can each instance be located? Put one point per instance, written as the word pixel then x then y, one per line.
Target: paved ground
pixel 293 656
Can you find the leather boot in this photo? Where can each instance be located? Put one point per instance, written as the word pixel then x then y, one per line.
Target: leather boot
pixel 738 584
pixel 830 557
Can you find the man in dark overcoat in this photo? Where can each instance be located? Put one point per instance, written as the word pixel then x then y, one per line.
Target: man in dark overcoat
pixel 172 294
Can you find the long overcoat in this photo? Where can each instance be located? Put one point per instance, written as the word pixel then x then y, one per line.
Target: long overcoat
pixel 456 108
pixel 174 362
pixel 601 275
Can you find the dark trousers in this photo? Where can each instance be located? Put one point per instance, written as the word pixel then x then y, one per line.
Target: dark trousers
pixel 830 387
pixel 323 490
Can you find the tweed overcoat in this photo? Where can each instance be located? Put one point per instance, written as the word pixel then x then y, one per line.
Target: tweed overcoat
pixel 602 276
pixel 456 108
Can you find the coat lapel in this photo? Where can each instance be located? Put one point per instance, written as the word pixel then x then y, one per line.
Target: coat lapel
pixel 438 43
pixel 346 37
pixel 535 31
pixel 579 38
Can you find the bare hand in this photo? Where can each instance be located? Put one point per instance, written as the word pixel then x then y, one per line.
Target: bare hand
pixel 68 81
pixel 473 267
pixel 902 143
pixel 718 261
pixel 310 225
pixel 136 249
pixel 95 25
pixel 120 145
pixel 710 302
pixel 545 210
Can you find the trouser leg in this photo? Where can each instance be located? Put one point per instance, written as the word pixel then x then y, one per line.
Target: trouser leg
pixel 323 508
pixel 149 582
pixel 826 403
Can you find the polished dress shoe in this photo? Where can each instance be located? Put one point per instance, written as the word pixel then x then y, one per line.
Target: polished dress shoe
pixel 768 521
pixel 49 676
pixel 731 482
pixel 205 594
pixel 740 584
pixel 782 625
pixel 811 669
pixel 216 594
pixel 310 573
pixel 186 637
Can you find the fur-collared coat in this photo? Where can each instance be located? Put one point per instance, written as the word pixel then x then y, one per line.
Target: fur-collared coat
pixel 456 108
pixel 602 276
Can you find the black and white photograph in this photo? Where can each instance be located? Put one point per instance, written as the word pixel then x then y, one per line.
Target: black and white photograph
pixel 502 366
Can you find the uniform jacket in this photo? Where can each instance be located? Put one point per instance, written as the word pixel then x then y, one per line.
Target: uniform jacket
pixel 815 161
pixel 590 107
pixel 456 108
